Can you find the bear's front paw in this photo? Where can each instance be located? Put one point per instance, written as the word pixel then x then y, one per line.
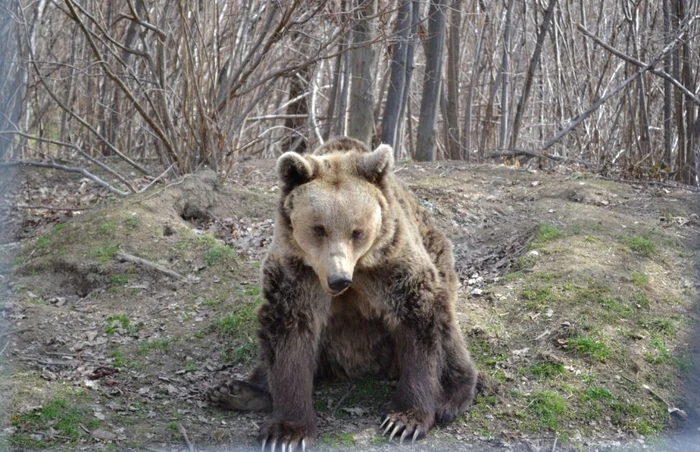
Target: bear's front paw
pixel 287 435
pixel 447 413
pixel 411 423
pixel 239 395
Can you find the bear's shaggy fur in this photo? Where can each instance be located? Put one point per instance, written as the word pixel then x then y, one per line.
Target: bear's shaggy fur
pixel 358 281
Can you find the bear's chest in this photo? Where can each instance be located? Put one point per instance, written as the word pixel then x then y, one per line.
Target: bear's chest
pixel 355 303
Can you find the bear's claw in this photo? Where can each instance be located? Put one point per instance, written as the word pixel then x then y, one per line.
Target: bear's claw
pixel 407 423
pixel 290 437
pixel 286 446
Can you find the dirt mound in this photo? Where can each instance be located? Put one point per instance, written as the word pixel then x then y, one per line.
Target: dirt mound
pixel 578 299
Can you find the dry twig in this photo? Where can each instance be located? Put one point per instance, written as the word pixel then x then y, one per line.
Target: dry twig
pixel 15 332
pixel 124 257
pixel 70 169
pixel 183 432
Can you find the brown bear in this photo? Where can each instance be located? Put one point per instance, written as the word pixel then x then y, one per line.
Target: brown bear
pixel 358 281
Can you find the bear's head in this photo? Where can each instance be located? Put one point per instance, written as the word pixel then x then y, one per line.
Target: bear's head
pixel 334 205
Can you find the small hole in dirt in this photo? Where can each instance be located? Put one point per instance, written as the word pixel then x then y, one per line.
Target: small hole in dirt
pixel 194 214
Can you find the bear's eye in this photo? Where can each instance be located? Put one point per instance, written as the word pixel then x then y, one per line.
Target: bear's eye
pixel 357 234
pixel 319 230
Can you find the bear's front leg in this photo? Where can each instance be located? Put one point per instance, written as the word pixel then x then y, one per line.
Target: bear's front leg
pixel 290 324
pixel 412 409
pixel 418 308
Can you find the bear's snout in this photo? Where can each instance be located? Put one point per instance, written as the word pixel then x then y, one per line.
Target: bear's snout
pixel 338 283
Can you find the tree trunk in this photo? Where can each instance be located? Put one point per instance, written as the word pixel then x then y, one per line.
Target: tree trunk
pixel 405 112
pixel 677 65
pixel 345 81
pixel 335 90
pixel 467 131
pixel 668 92
pixel 399 69
pixel 688 173
pixel 360 117
pixel 534 63
pixel 104 116
pixel 434 45
pixel 12 81
pixel 505 77
pixel 298 109
pixel 453 138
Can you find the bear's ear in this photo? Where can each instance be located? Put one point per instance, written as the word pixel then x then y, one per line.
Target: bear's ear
pixel 375 165
pixel 293 169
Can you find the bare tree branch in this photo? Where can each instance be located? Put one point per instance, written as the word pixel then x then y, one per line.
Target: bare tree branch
pixel 70 169
pixel 661 73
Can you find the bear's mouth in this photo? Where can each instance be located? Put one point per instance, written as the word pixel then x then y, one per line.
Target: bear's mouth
pixel 335 293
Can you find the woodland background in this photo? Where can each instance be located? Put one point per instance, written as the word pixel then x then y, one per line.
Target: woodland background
pixel 610 84
pixel 579 294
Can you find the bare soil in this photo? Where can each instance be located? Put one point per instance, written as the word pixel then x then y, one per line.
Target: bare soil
pixel 579 302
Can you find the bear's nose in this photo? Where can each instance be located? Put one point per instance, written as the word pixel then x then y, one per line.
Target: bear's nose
pixel 338 283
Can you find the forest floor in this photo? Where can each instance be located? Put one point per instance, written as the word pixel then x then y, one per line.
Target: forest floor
pixel 579 302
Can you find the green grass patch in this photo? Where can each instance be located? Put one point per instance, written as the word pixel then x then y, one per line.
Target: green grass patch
pixel 118 359
pixel 640 279
pixel 525 262
pixel 369 388
pixel 613 306
pixel 642 300
pixel 645 420
pixel 544 276
pixel 190 365
pixel 104 253
pixel 368 391
pixel 43 242
pixel 57 414
pixel 119 280
pixel 107 227
pixel 242 351
pixel 58 227
pixel 132 222
pixel 546 370
pixel 212 302
pixel 121 321
pixel 640 244
pixel 160 344
pixel 548 407
pixel 659 353
pixel 598 393
pixel 217 252
pixel 513 276
pixel 252 291
pixel 239 328
pixel 537 298
pixel 121 361
pixel 596 400
pixel 379 440
pixel 207 240
pixel 663 325
pixel 485 400
pixel 114 322
pixel 242 320
pixel 337 439
pixel 586 346
pixel 546 233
